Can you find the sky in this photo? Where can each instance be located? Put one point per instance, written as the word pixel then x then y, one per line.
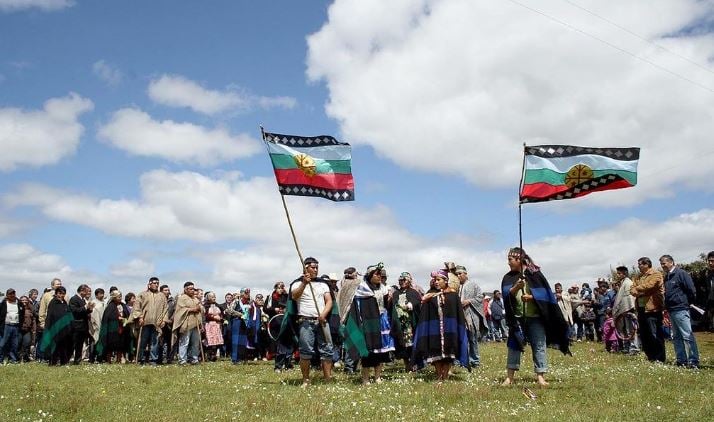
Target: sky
pixel 130 138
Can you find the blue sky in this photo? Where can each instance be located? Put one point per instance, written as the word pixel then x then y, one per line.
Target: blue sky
pixel 130 137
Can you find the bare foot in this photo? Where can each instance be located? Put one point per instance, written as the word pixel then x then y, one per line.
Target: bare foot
pixel 507 382
pixel 542 382
pixel 378 380
pixel 305 383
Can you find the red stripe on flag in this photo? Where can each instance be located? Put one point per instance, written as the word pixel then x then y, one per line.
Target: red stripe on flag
pixel 541 190
pixel 326 181
pixel 617 184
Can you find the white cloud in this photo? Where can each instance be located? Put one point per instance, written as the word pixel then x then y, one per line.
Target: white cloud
pixel 44 5
pixel 24 267
pixel 195 207
pixel 40 137
pixel 177 91
pixel 9 226
pixel 134 131
pixel 136 268
pixel 471 81
pixel 108 73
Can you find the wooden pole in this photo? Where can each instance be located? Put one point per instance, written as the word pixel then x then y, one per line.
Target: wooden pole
pixel 520 219
pixel 138 343
pixel 325 330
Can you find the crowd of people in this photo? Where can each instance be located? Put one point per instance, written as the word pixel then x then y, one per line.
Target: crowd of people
pixel 359 322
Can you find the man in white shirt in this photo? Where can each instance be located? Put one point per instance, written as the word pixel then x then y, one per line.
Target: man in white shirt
pixel 314 304
pixel 11 310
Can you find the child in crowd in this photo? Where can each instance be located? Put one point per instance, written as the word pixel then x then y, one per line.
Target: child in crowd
pixel 586 292
pixel 588 318
pixel 609 335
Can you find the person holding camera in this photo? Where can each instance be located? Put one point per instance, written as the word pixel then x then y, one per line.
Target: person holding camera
pixel 532 315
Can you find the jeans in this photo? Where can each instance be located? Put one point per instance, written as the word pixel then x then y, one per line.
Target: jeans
pixel 474 358
pixel 535 333
pixel 26 347
pixel 188 346
pixel 150 335
pixel 684 338
pixel 10 343
pixel 651 334
pixel 165 343
pixel 312 341
pixel 500 329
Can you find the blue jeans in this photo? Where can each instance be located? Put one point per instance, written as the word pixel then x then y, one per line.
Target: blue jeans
pixel 500 329
pixel 188 346
pixel 684 338
pixel 474 358
pixel 312 341
pixel 10 343
pixel 150 335
pixel 535 333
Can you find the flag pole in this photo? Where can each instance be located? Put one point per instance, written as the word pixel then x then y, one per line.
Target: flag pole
pixel 325 332
pixel 287 214
pixel 520 217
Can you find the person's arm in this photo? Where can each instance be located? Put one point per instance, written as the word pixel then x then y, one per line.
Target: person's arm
pixel 296 293
pixel 75 307
pixel 328 308
pixel 163 311
pixel 43 311
pixel 137 312
pixel 646 285
pixel 517 286
pixel 688 286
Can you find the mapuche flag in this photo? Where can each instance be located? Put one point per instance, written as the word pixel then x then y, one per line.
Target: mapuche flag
pixel 554 172
pixel 312 166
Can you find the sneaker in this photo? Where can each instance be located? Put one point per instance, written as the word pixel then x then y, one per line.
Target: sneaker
pixel 338 364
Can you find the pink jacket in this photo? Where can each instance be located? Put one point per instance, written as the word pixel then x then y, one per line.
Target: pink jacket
pixel 608 330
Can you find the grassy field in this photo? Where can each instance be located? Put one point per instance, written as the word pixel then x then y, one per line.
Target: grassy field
pixel 591 385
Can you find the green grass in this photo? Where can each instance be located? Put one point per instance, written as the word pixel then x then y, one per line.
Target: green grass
pixel 591 385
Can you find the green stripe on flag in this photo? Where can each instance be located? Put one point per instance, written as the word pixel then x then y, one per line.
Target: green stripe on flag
pixel 554 178
pixel 285 162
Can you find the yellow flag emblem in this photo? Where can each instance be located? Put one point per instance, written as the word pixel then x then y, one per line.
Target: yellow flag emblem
pixel 306 164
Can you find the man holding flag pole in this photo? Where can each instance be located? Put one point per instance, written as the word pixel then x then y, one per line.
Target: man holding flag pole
pixel 314 304
pixel 310 166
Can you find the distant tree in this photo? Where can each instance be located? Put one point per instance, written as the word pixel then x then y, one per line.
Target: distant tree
pixel 696 267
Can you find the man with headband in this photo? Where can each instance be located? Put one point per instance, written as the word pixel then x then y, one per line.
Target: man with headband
pixel 314 304
pixel 532 314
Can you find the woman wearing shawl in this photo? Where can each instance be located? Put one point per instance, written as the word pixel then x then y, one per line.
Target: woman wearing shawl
pixel 112 333
pixel 369 293
pixel 532 314
pixel 239 330
pixel 257 318
pixel 440 336
pixel 405 315
pixel 213 326
pixel 131 331
pixel 57 336
pixel 366 329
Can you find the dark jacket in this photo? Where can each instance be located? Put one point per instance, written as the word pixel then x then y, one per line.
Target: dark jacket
pixel 80 314
pixel 678 290
pixel 3 313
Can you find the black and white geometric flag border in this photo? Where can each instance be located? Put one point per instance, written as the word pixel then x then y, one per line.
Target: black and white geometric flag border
pixel 331 194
